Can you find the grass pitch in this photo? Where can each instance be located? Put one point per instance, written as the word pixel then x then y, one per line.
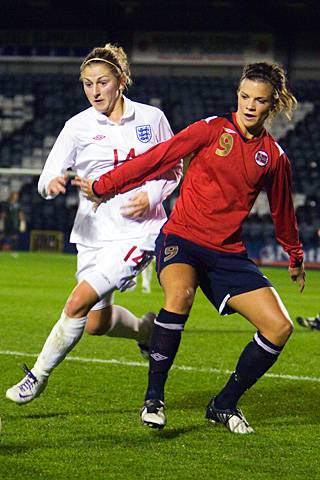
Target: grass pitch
pixel 86 423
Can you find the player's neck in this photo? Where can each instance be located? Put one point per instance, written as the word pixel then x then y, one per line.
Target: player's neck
pixel 117 111
pixel 249 132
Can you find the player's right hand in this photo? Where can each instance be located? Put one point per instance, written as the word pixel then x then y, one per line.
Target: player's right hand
pixel 57 185
pixel 298 275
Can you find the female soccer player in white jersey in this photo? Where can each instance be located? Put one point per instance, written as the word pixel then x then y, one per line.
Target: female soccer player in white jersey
pixel 200 245
pixel 117 242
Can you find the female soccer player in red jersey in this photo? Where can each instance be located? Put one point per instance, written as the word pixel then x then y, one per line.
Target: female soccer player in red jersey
pixel 234 158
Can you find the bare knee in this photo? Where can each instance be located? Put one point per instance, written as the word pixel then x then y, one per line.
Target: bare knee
pixel 280 331
pixel 180 299
pixel 286 329
pixel 80 301
pixel 96 330
pixel 99 321
pixel 75 306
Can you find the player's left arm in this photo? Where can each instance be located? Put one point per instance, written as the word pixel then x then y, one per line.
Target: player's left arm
pixel 161 187
pixel 156 161
pixel 279 191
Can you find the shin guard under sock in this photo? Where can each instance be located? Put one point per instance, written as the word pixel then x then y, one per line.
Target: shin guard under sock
pixel 164 345
pixel 255 360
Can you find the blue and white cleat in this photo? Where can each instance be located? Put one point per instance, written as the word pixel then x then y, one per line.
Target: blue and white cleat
pixel 28 389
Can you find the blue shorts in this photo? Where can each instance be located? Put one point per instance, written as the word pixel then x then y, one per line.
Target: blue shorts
pixel 221 275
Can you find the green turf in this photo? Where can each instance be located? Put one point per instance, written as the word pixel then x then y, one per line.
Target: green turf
pixel 86 424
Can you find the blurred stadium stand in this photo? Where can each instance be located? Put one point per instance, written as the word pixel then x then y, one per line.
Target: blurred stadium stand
pixel 35 108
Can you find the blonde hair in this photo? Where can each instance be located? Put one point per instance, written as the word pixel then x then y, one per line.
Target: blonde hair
pixel 283 99
pixel 115 57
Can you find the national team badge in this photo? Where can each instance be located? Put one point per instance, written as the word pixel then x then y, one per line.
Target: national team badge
pixel 261 158
pixel 144 133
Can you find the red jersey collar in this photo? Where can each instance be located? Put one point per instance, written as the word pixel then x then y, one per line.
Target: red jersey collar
pixel 233 120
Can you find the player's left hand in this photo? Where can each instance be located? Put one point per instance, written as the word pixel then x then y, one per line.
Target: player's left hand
pixel 85 185
pixel 138 206
pixel 298 275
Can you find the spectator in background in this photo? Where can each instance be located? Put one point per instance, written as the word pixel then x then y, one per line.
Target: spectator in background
pixel 118 241
pixel 234 158
pixel 14 222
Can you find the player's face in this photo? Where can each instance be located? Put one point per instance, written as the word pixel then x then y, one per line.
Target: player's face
pixel 103 89
pixel 255 101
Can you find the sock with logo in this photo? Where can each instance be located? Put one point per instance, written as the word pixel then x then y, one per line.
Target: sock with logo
pixel 255 360
pixel 165 341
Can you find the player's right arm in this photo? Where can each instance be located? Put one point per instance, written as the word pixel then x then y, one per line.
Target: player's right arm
pixel 53 178
pixel 156 161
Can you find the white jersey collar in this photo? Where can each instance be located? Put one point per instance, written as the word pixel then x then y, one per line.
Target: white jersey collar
pixel 128 112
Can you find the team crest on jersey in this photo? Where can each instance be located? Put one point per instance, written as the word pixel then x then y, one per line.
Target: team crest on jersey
pixel 261 158
pixel 144 133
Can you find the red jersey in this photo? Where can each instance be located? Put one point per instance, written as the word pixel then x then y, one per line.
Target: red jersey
pixel 223 180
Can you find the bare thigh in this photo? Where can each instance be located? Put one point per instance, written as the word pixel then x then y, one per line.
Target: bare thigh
pixel 179 282
pixel 265 310
pixel 80 301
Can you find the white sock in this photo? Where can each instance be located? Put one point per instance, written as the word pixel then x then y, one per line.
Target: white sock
pixel 63 337
pixel 126 325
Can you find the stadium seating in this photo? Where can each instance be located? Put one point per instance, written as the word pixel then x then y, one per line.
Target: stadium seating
pixel 34 108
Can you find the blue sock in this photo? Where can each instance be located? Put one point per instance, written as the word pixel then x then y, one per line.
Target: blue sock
pixel 165 341
pixel 255 360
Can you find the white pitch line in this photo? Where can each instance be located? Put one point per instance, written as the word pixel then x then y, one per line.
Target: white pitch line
pixel 185 368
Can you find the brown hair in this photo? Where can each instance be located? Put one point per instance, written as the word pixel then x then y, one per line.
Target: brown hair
pixel 283 99
pixel 115 57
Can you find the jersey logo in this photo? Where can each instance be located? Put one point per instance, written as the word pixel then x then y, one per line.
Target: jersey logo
pixel 228 130
pixel 144 133
pixel 261 158
pixel 226 144
pixel 99 137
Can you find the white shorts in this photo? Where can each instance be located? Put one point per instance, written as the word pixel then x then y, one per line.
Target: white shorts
pixel 109 268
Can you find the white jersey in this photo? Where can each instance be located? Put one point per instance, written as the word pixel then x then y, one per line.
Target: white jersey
pixel 91 145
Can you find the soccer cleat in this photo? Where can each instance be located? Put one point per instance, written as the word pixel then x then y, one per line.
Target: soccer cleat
pixel 147 322
pixel 28 389
pixel 232 419
pixel 152 414
pixel 310 322
pixel 144 350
